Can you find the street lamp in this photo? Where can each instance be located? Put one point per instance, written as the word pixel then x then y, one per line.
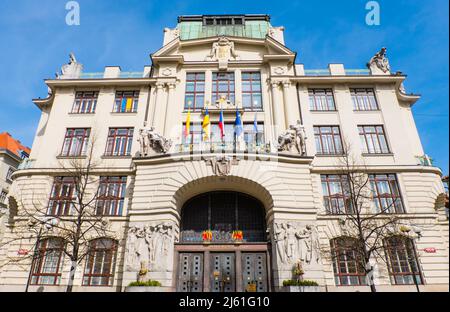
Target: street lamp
pixel 48 223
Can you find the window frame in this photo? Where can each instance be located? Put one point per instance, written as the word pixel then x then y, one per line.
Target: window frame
pixel 125 94
pixel 82 148
pixel 3 196
pixel 252 93
pixel 106 201
pixel 336 254
pixel 85 96
pixel 91 262
pixel 111 142
pixel 195 107
pixel 9 174
pixel 313 96
pixel 231 86
pixel 57 200
pixel 40 261
pixel 407 246
pixel 378 197
pixel 359 106
pixel 365 134
pixel 320 151
pixel 346 198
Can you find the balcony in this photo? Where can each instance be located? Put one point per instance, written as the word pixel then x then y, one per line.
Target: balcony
pixel 226 147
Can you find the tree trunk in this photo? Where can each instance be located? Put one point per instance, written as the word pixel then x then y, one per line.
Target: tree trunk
pixel 369 278
pixel 73 268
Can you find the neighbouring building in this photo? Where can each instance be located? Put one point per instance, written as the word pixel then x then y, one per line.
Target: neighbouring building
pixel 219 169
pixel 12 152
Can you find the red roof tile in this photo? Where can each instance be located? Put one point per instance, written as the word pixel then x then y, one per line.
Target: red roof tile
pixel 14 146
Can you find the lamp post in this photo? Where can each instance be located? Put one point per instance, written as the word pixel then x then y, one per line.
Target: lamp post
pixel 49 224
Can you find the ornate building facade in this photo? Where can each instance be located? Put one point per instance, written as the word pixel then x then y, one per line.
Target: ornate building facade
pixel 219 170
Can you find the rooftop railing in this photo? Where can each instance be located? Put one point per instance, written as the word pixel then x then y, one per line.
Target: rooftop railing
pixel 101 75
pixel 317 72
pixel 193 31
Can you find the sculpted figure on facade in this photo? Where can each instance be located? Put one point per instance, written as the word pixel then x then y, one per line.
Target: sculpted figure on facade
pixel 150 139
pixel 222 50
pixel 294 244
pixel 380 61
pixel 71 70
pixel 221 166
pixel 150 244
pixel 293 140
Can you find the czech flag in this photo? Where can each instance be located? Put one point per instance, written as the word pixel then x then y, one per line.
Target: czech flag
pixel 221 125
pixel 206 126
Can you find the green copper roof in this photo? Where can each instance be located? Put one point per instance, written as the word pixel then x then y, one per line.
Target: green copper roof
pixel 196 30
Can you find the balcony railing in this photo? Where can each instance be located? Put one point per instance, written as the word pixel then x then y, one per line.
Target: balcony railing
pixel 425 160
pixel 26 164
pixel 227 147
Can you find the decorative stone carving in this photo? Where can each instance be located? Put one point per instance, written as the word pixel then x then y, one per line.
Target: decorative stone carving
pixel 279 70
pixel 150 139
pixel 166 72
pixel 379 61
pixel 223 51
pixel 71 70
pixel 221 166
pixel 222 103
pixel 295 243
pixel 293 140
pixel 149 246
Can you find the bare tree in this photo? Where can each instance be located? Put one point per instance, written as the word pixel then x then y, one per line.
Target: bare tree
pixel 76 219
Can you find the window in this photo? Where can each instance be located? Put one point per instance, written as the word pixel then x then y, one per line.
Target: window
pixel 386 193
pixel 3 196
pixel 99 270
pixel 253 137
pixel 402 261
pixel 328 140
pixel 9 174
pixel 373 140
pixel 111 196
pixel 336 194
pixel 75 142
pixel 251 91
pixel 348 264
pixel 119 142
pixel 223 85
pixel 85 102
pixel 47 263
pixel 62 197
pixel 364 99
pixel 195 91
pixel 321 100
pixel 24 155
pixel 126 102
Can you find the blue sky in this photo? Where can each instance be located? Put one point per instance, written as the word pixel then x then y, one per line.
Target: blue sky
pixel 36 41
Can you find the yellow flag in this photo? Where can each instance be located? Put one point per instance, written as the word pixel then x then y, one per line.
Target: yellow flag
pixel 188 124
pixel 129 106
pixel 206 126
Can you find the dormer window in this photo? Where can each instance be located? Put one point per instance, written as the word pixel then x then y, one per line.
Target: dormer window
pixel 223 21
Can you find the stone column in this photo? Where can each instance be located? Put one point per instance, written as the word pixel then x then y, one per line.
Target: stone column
pixel 168 124
pixel 289 115
pixel 156 106
pixel 277 110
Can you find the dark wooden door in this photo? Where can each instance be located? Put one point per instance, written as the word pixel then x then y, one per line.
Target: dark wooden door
pixel 190 275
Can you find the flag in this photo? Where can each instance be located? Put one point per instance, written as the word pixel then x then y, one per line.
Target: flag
pixel 238 127
pixel 255 124
pixel 221 125
pixel 206 126
pixel 188 124
pixel 124 104
pixel 129 105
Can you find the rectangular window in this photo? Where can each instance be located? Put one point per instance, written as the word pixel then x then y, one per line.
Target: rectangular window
pixel 364 99
pixel 75 142
pixel 386 193
pixel 348 264
pixel 328 140
pixel 46 267
pixel 126 102
pixel 3 196
pixel 402 261
pixel 195 91
pixel 336 194
pixel 99 270
pixel 223 86
pixel 9 174
pixel 119 142
pixel 111 196
pixel 251 91
pixel 62 197
pixel 321 100
pixel 373 140
pixel 85 102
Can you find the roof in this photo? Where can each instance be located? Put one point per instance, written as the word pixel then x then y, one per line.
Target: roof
pixel 7 142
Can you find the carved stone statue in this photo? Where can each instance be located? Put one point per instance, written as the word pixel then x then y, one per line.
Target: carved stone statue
pixel 380 61
pixel 222 51
pixel 149 138
pixel 293 140
pixel 222 166
pixel 71 70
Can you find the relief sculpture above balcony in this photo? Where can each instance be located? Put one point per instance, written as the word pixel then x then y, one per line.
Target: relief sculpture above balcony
pixel 223 51
pixel 293 140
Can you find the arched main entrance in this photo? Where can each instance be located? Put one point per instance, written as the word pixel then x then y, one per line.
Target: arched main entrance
pixel 223 244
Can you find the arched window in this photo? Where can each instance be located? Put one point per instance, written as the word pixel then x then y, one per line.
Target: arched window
pixel 100 263
pixel 348 264
pixel 402 261
pixel 223 213
pixel 47 262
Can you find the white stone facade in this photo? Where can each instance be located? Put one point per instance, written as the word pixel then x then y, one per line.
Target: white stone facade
pixel 287 184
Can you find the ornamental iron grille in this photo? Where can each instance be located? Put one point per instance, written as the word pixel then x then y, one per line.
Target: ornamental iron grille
pixel 223 213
